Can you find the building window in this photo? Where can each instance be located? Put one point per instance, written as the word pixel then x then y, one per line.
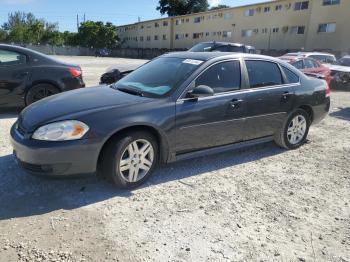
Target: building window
pixel 264 30
pixel 148 38
pixel 327 28
pixel 197 20
pixel 301 5
pixel 164 37
pixel 226 34
pixel 249 12
pixel 207 34
pixel 178 22
pixel 197 35
pixel 297 30
pixel 228 16
pixel 247 33
pixel 187 20
pixel 156 24
pixel 142 27
pixel 141 38
pixel 165 23
pixel 278 7
pixel 266 9
pixel 156 37
pixel 275 30
pixel 331 2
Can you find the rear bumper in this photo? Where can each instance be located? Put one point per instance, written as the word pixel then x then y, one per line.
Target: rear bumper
pixel 321 111
pixel 55 158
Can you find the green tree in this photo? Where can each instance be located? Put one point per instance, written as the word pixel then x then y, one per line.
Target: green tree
pixel 219 7
pixel 97 35
pixel 182 7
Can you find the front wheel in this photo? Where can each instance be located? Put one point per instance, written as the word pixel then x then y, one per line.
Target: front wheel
pixel 128 161
pixel 294 130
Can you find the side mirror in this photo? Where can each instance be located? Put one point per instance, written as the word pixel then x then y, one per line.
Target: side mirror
pixel 200 91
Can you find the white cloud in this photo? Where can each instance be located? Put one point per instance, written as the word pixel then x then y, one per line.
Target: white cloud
pixel 16 2
pixel 214 2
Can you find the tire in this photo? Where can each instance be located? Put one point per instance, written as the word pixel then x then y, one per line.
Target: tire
pixel 119 149
pixel 39 92
pixel 284 137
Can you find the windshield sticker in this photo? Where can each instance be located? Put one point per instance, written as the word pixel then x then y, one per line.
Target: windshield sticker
pixel 192 62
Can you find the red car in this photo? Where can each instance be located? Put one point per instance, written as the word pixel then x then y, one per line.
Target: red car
pixel 309 66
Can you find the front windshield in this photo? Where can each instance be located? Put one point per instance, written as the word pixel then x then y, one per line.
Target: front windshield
pixel 160 76
pixel 202 47
pixel 344 61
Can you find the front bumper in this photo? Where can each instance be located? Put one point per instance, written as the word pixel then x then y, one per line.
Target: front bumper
pixel 55 158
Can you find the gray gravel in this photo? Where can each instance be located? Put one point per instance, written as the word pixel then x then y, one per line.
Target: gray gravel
pixel 258 204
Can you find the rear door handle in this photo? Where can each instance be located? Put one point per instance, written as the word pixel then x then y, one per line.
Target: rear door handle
pixel 235 103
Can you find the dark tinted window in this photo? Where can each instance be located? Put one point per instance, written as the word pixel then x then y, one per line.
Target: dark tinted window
pixel 344 61
pixel 223 48
pixel 291 77
pixel 9 58
pixel 222 77
pixel 263 73
pixel 298 64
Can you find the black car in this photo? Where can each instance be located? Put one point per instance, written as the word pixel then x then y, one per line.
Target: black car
pixel 115 74
pixel 223 47
pixel 27 76
pixel 177 106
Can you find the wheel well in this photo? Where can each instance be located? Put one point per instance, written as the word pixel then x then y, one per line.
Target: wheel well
pixel 149 129
pixel 44 82
pixel 309 111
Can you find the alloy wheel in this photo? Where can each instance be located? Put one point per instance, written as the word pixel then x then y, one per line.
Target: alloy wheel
pixel 296 129
pixel 136 161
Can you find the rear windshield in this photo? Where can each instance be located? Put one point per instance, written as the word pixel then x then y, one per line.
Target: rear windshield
pixel 202 47
pixel 328 59
pixel 160 76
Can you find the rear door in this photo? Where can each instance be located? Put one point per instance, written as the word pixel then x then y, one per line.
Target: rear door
pixel 269 99
pixel 216 120
pixel 13 75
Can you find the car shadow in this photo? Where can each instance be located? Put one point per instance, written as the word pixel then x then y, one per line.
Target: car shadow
pixel 23 195
pixel 343 113
pixel 12 112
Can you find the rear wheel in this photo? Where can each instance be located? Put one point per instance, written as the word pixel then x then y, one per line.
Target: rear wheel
pixel 39 92
pixel 128 161
pixel 294 130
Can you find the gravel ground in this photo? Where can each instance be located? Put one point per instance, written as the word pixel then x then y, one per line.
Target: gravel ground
pixel 258 204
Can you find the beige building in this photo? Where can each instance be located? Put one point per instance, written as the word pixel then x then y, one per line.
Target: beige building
pixel 279 25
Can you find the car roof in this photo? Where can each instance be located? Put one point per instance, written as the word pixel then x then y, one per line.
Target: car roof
pixel 307 54
pixel 205 56
pixel 222 43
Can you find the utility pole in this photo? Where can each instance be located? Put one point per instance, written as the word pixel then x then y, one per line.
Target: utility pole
pixel 84 17
pixel 77 22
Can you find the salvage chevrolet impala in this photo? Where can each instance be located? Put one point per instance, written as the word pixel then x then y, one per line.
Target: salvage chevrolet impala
pixel 177 106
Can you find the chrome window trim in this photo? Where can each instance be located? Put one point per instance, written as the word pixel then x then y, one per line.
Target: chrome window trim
pixel 241 90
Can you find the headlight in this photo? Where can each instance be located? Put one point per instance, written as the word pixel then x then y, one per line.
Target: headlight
pixel 61 131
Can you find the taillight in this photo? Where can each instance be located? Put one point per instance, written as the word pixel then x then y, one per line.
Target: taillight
pixel 328 90
pixel 76 72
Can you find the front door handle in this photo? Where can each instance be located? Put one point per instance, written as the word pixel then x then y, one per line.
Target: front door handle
pixel 286 95
pixel 235 103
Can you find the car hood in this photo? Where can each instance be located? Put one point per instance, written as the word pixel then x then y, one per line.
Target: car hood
pixel 71 104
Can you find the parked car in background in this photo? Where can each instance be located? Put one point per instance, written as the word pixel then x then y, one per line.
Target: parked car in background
pixel 115 74
pixel 324 58
pixel 178 106
pixel 27 76
pixel 103 52
pixel 309 66
pixel 222 47
pixel 344 61
pixel 341 73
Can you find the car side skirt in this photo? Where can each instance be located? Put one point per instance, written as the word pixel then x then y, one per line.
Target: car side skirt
pixel 220 149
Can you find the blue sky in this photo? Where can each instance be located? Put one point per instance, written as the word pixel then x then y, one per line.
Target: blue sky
pixel 116 11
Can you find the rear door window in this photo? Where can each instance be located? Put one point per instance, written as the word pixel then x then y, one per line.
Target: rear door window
pixel 222 77
pixel 298 64
pixel 263 73
pixel 10 58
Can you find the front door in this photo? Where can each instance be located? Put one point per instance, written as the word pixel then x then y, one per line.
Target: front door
pixel 13 76
pixel 215 120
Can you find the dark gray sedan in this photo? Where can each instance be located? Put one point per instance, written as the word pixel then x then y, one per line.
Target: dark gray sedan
pixel 177 106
